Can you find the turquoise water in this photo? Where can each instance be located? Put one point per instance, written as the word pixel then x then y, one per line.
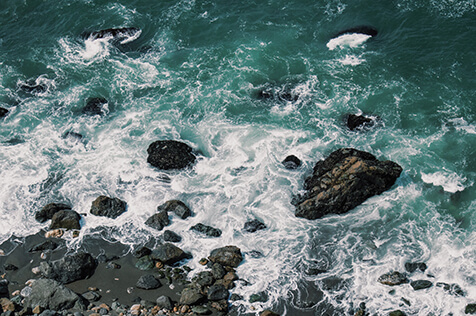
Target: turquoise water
pixel 194 75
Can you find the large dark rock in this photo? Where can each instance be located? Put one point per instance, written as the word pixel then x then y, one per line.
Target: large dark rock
pixel 148 282
pixel 470 309
pixel 413 266
pixel 392 278
pixel 66 219
pixel 206 230
pixel 227 256
pixel 169 254
pixel 49 210
pixel 343 181
pixel 46 245
pixel 3 112
pixel 177 207
pixel 70 268
pixel 171 236
pixel 170 154
pixel 4 288
pixel 108 207
pixel 95 106
pixel 158 220
pixel 421 284
pixel 217 292
pixel 358 122
pixel 254 225
pixel 291 162
pixel 123 34
pixel 50 294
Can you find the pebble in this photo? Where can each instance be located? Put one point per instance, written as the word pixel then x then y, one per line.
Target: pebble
pixel 35 270
pixel 130 289
pixel 17 292
pixel 56 233
pixel 30 282
pixel 184 309
pixel 2 253
pixel 93 289
pixel 203 261
pixel 135 309
pixel 43 256
pixel 26 291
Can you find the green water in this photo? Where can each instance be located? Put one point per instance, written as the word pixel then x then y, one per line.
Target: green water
pixel 194 75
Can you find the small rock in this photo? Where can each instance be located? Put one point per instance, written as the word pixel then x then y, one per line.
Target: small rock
pixel 95 106
pixel 3 288
pixel 413 266
pixel 357 121
pixel 145 263
pixel 204 278
pixel 36 270
pixel 218 271
pixel 217 292
pixel 470 309
pixel 168 254
pixel 113 265
pixel 148 282
pixel 26 291
pixel 227 256
pixel 397 313
pixel 421 284
pixel 201 310
pixel 254 225
pixel 56 233
pixel 44 246
pixel 108 207
pixel 135 309
pixel 190 296
pixel 10 267
pixel 453 289
pixel 177 207
pixel 291 162
pixel 66 219
pixel 159 264
pixel 141 252
pixel 207 230
pixel 164 302
pixel 184 309
pixel 7 305
pixel 268 313
pixel 171 236
pixel 236 297
pixel 392 278
pixel 92 296
pixel 15 293
pixel 49 210
pixel 221 306
pixel 203 261
pixel 3 112
pixel 158 220
pixel 259 297
pixel 38 309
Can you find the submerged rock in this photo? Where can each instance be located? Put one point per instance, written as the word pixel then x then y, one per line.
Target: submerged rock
pixel 207 230
pixel 171 236
pixel 361 29
pixel 169 254
pixel 227 256
pixel 421 284
pixel 3 112
pixel 291 162
pixel 397 313
pixel 453 289
pixel 50 294
pixel 413 266
pixel 158 220
pixel 177 207
pixel 33 86
pixel 46 245
pixel 170 154
pixel 70 268
pixel 66 219
pixel 268 313
pixel 343 181
pixel 358 121
pixel 95 106
pixel 141 252
pixel 392 278
pixel 254 225
pixel 108 207
pixel 123 34
pixel 49 210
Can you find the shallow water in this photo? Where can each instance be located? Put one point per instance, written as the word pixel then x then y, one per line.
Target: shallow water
pixel 194 75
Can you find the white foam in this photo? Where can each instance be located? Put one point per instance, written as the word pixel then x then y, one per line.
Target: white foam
pixel 450 181
pixel 351 60
pixel 462 125
pixel 348 40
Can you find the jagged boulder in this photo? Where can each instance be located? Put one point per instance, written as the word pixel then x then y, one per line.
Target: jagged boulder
pixel 177 207
pixel 66 219
pixel 108 207
pixel 158 220
pixel 70 268
pixel 50 294
pixel 227 256
pixel 169 254
pixel 343 181
pixel 49 210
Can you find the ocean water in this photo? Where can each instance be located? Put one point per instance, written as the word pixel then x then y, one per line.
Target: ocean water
pixel 194 75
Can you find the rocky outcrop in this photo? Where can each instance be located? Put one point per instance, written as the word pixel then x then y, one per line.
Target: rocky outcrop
pixel 50 294
pixel 358 122
pixel 227 256
pixel 66 219
pixel 158 220
pixel 95 106
pixel 108 207
pixel 177 207
pixel 170 154
pixel 168 254
pixel 49 210
pixel 392 278
pixel 206 230
pixel 3 112
pixel 343 181
pixel 70 268
pixel 291 162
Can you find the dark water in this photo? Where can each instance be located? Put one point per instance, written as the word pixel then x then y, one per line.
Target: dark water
pixel 194 74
